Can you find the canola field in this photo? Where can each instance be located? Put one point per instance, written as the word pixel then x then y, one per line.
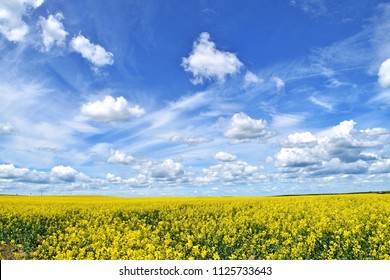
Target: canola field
pixel 289 228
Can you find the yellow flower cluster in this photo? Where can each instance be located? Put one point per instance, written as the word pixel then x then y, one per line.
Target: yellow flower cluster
pixel 306 227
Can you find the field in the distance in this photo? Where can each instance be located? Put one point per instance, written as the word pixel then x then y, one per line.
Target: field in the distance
pixel 303 227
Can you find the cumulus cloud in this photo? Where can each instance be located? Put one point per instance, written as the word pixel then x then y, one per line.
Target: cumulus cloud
pixel 230 173
pixel 380 166
pixel 12 25
pixel 337 166
pixel 58 174
pixel 207 62
pixel 6 128
pixel 111 109
pixel 167 170
pixel 340 149
pixel 222 156
pixel 64 173
pixel 53 31
pixel 152 173
pixel 8 171
pixel 16 174
pixel 120 157
pixel 138 181
pixel 243 127
pixel 95 54
pixel 193 140
pixel 112 178
pixel 301 138
pixel 384 74
pixel 298 157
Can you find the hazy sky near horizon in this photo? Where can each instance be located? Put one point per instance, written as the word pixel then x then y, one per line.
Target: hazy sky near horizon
pixel 150 98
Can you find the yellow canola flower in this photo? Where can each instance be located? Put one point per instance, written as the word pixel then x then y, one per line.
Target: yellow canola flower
pixel 306 227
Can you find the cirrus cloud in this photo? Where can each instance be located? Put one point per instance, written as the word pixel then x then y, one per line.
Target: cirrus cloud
pixel 192 140
pixel 251 78
pixel 279 83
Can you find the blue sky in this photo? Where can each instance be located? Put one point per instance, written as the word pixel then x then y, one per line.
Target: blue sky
pixel 166 98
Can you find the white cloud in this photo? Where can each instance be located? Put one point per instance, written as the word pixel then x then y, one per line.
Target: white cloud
pixel 335 83
pixel 111 109
pixel 166 170
pixel 35 134
pixel 53 31
pixel 140 180
pixel 286 120
pixel 313 8
pixel 301 138
pixel 381 166
pixel 95 54
pixel 120 157
pixel 6 128
pixel 251 78
pixel 155 173
pixel 176 111
pixel 113 179
pixel 193 140
pixel 99 152
pixel 342 130
pixel 384 74
pixel 191 102
pixel 58 174
pixel 222 156
pixel 12 25
pixel 279 83
pixel 298 157
pixel 383 98
pixel 230 173
pixel 322 103
pixel 243 127
pixel 340 149
pixel 9 171
pixel 64 173
pixel 205 61
pixel 337 166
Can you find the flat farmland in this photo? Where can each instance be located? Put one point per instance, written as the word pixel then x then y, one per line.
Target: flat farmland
pixel 355 226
